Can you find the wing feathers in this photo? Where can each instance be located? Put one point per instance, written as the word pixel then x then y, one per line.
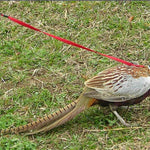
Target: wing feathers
pixel 117 84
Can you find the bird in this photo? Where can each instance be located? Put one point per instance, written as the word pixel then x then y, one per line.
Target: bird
pixel 114 87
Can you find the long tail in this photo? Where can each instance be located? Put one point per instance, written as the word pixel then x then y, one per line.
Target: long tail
pixel 53 120
pixel 35 125
pixel 83 103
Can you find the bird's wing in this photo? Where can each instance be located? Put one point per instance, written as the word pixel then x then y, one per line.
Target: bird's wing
pixel 116 85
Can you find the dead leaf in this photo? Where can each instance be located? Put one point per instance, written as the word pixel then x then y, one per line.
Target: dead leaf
pixel 131 18
pixel 115 9
pixel 17 53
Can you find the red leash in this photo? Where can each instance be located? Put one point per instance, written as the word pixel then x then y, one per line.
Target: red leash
pixel 69 42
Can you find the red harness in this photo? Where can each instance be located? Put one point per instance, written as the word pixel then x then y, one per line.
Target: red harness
pixel 70 42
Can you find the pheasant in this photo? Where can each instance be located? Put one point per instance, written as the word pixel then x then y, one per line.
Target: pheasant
pixel 114 87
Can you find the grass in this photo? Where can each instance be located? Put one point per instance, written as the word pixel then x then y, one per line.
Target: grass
pixel 39 74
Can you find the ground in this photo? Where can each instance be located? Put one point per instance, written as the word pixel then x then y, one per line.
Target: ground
pixel 40 74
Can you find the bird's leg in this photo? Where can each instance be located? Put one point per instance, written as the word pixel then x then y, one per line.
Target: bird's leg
pixel 113 109
pixel 120 118
pixel 126 110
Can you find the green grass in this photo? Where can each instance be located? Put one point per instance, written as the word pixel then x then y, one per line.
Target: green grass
pixel 60 71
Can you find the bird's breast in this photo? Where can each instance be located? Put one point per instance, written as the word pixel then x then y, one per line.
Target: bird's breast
pixel 125 103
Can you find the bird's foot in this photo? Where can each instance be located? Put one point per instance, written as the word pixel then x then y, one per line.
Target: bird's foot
pixel 113 109
pixel 121 119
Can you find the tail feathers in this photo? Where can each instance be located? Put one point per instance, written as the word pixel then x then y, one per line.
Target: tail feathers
pixel 81 106
pixel 35 125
